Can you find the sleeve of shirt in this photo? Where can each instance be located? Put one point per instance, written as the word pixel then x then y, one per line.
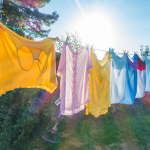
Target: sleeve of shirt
pixel 52 63
pixel 62 61
pixel 89 64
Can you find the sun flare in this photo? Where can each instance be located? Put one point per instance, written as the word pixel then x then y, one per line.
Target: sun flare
pixel 96 29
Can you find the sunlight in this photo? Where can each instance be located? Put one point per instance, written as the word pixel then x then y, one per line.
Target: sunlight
pixel 96 29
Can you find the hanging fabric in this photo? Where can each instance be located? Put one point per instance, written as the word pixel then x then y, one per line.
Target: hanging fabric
pixel 131 81
pixel 25 63
pixel 141 76
pixel 99 85
pixel 74 87
pixel 147 61
pixel 118 79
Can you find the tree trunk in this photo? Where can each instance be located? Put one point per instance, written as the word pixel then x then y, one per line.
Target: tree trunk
pixel 3 12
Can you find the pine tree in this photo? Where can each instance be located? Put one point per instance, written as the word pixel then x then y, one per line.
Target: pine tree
pixel 24 14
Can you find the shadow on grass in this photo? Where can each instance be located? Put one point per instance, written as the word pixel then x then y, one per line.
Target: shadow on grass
pixel 124 127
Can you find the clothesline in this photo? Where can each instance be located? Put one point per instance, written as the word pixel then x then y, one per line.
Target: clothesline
pixel 57 38
pixel 111 81
pixel 115 52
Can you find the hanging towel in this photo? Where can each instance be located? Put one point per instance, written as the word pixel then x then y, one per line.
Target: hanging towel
pixel 131 81
pixel 25 63
pixel 118 79
pixel 141 77
pixel 99 85
pixel 74 87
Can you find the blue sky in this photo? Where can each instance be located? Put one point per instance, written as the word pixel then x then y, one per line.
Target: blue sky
pixel 121 24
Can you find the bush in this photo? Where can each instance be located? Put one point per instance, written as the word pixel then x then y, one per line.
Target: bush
pixel 21 112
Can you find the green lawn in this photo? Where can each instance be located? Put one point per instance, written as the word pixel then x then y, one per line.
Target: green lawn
pixel 124 127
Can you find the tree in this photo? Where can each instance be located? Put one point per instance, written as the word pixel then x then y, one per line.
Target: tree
pixel 141 49
pixel 146 51
pixel 73 38
pixel 1 10
pixel 24 14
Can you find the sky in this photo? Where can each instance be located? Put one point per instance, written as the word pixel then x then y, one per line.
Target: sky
pixel 120 24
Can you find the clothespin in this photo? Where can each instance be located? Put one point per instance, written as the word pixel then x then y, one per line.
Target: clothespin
pixel 91 47
pixel 67 39
pixel 144 54
pixel 137 53
pixel 111 50
pixel 87 47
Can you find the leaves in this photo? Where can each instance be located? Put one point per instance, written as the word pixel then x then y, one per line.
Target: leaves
pixel 20 114
pixel 73 39
pixel 33 3
pixel 146 51
pixel 24 14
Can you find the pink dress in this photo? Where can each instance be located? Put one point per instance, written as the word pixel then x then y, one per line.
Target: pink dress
pixel 74 86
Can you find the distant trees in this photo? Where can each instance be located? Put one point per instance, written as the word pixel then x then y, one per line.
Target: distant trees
pixel 1 10
pixel 24 14
pixel 72 38
pixel 146 50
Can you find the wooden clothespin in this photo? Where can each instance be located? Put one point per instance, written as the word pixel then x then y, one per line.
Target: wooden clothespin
pixel 111 50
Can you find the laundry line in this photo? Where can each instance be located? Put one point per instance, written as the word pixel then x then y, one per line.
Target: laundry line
pixel 115 52
pixel 57 39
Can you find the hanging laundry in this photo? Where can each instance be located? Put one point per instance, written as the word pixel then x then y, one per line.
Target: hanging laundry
pixel 131 81
pixel 99 85
pixel 118 79
pixel 25 63
pixel 147 61
pixel 141 76
pixel 74 87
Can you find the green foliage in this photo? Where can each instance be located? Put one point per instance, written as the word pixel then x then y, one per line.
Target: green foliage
pixel 73 38
pixel 20 115
pixel 141 49
pixel 146 51
pixel 123 127
pixel 25 15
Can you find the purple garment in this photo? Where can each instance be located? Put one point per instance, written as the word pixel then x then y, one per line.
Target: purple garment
pixel 74 87
pixel 132 64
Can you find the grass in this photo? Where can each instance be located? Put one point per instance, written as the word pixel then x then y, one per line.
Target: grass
pixel 124 127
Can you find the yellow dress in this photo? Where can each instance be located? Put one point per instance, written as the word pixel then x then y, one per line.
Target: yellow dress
pixel 25 63
pixel 99 85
